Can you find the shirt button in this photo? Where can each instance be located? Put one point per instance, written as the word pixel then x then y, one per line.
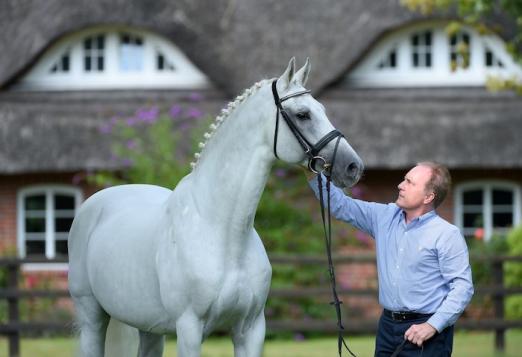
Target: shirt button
pixel 397 266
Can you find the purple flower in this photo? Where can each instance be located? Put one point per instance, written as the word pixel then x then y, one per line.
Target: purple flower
pixel 194 113
pixel 149 115
pixel 280 173
pixel 132 144
pixel 195 97
pixel 127 162
pixel 131 121
pixel 175 111
pixel 105 129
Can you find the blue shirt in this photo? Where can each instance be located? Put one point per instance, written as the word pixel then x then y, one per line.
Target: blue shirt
pixel 422 266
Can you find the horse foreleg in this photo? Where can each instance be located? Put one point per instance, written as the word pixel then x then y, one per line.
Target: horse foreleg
pixel 151 344
pixel 189 329
pixel 93 323
pixel 249 342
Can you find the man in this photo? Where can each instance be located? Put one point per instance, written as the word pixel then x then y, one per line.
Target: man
pixel 422 262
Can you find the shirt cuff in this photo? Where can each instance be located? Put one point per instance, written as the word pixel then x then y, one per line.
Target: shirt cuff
pixel 438 322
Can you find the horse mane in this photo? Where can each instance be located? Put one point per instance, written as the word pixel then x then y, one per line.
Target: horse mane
pixel 225 113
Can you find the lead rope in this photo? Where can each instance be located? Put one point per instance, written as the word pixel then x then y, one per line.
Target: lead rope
pixel 327 227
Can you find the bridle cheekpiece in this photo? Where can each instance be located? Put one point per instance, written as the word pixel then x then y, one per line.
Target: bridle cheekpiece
pixel 311 151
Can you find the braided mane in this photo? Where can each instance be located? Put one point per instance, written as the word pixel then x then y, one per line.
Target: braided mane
pixel 225 113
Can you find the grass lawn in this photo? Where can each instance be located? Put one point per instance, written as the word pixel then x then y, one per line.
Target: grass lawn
pixel 476 344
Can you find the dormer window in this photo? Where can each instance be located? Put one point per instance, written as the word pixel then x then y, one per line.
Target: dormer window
pixel 421 49
pixel 94 53
pixel 491 59
pixel 390 61
pixel 425 55
pixel 460 51
pixel 112 58
pixel 63 63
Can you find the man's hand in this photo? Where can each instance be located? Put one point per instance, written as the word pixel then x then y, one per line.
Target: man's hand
pixel 418 334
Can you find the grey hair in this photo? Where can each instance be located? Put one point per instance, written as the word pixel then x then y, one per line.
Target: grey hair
pixel 440 181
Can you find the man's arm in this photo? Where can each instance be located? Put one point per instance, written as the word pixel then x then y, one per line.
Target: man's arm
pixel 360 214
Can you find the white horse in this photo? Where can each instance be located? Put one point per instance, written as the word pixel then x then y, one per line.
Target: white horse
pixel 189 260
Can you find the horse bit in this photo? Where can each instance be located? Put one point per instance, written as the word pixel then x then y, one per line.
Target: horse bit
pixel 311 151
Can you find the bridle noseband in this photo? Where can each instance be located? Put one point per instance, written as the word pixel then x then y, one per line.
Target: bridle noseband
pixel 311 151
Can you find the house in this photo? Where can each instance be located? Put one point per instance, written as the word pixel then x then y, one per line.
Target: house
pixel 395 83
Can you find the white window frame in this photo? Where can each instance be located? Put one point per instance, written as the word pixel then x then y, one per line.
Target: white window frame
pixel 185 76
pixel 49 191
pixel 367 73
pixel 487 187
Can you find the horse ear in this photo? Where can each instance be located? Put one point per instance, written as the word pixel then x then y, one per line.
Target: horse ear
pixel 288 74
pixel 302 75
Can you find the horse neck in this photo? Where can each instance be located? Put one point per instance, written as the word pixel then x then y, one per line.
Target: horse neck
pixel 230 176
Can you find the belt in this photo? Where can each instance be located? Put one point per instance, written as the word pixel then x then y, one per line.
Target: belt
pixel 404 315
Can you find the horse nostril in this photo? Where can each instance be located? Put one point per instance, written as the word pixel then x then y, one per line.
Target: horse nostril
pixel 352 169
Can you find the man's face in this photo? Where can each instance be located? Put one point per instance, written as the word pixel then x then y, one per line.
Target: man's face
pixel 412 190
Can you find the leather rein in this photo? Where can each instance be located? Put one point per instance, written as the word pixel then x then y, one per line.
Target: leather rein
pixel 312 152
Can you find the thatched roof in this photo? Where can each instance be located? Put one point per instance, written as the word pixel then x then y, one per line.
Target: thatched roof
pixel 236 43
pixel 469 128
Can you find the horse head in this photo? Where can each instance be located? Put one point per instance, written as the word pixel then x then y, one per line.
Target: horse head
pixel 306 135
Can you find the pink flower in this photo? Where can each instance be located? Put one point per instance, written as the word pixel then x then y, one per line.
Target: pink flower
pixel 479 234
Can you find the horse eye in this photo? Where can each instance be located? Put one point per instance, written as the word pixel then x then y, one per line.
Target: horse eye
pixel 303 115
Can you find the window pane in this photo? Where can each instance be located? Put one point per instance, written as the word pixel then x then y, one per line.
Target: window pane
pixel 427 38
pixel 63 202
pixel 35 248
pixel 472 197
pixel 473 220
pixel 502 220
pixel 415 60
pixel 61 247
pixel 502 197
pixel 36 202
pixel 131 53
pixel 62 224
pixel 35 225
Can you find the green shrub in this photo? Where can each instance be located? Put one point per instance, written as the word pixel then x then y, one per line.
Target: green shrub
pixel 513 274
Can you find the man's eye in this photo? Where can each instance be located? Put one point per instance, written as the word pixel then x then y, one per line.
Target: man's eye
pixel 303 115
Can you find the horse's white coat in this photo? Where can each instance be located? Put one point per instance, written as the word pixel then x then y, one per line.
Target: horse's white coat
pixel 189 260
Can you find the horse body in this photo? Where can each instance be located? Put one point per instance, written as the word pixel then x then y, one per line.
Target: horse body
pixel 188 260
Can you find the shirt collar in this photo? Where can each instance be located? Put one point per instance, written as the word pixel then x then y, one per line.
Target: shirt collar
pixel 421 219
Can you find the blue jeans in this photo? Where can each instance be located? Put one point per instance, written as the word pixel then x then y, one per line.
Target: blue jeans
pixel 391 334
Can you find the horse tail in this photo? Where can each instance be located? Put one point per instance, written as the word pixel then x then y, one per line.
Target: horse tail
pixel 121 339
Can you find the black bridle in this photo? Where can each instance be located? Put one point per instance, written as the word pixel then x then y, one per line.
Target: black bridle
pixel 311 151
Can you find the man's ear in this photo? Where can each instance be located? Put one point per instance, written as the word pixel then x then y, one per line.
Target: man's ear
pixel 429 198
